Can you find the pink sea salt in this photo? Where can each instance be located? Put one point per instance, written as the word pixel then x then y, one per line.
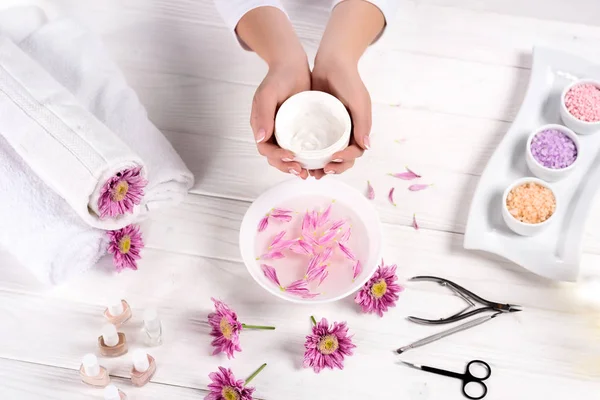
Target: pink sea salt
pixel 583 102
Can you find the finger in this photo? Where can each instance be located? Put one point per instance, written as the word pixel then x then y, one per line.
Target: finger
pixel 317 173
pixel 349 153
pixel 338 168
pixel 361 120
pixel 262 116
pixel 288 167
pixel 271 150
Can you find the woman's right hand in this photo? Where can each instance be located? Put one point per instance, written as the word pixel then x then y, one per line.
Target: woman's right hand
pixel 282 81
pixel 268 32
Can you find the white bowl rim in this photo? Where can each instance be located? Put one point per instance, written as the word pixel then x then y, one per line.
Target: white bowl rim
pixel 521 181
pixel 564 94
pixel 569 132
pixel 248 228
pixel 317 154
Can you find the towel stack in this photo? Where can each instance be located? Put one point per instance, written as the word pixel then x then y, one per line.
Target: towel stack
pixel 78 154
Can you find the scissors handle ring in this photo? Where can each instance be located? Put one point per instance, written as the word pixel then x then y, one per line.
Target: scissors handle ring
pixel 470 378
pixel 466 382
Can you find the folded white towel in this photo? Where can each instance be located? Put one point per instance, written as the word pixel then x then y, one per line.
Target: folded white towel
pixel 62 142
pixel 78 60
pixel 39 228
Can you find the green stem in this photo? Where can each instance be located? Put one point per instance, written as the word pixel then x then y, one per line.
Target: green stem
pixel 314 321
pixel 255 373
pixel 271 328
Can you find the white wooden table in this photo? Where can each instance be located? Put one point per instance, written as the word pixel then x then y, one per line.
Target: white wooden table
pixel 448 78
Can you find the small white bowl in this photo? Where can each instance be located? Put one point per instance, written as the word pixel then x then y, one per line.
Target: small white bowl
pixel 577 125
pixel 545 173
pixel 318 116
pixel 522 228
pixel 326 187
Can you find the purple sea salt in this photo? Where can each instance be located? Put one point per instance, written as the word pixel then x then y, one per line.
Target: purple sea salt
pixel 553 149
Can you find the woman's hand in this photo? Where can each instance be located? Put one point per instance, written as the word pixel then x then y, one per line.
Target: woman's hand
pixel 268 32
pixel 341 79
pixel 281 82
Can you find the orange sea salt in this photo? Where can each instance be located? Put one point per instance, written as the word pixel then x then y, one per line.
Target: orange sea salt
pixel 531 203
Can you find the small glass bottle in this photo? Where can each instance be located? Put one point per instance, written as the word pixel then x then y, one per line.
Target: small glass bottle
pixel 118 312
pixel 144 367
pixel 152 329
pixel 111 342
pixel 92 373
pixel 112 393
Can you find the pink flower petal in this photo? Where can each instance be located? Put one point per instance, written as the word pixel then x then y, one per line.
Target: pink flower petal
pixel 324 217
pixel 281 211
pixel 323 276
pixel 356 270
pixel 277 238
pixel 272 255
pixel 301 247
pixel 271 274
pixel 337 225
pixel 407 176
pixel 262 225
pixel 326 255
pixel 311 240
pixel 346 236
pixel 306 223
pixel 315 273
pixel 285 244
pixel 391 196
pixel 347 252
pixel 314 218
pixel 417 187
pixel 299 288
pixel 327 237
pixel 282 217
pixel 370 191
pixel 414 224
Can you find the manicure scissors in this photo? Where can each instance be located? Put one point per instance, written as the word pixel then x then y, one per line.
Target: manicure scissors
pixel 468 296
pixel 470 379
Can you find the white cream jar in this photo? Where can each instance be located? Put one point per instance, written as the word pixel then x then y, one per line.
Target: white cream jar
pixel 313 125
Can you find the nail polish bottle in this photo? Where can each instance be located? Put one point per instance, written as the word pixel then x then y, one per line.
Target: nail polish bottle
pixel 92 373
pixel 112 393
pixel 112 343
pixel 152 328
pixel 144 367
pixel 118 312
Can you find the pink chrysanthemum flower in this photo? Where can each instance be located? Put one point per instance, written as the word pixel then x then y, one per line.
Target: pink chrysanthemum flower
pixel 121 193
pixel 327 346
pixel 380 292
pixel 225 329
pixel 224 386
pixel 125 245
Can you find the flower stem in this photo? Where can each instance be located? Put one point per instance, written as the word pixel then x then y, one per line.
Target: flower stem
pixel 255 373
pixel 314 321
pixel 271 328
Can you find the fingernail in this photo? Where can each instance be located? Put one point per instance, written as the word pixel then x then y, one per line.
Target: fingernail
pixel 261 135
pixel 338 160
pixel 294 172
pixel 287 159
pixel 330 172
pixel 367 143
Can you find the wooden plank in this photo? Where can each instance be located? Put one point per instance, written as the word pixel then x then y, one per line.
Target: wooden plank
pixel 23 380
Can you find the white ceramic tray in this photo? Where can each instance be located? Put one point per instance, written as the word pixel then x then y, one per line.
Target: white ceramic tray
pixel 555 253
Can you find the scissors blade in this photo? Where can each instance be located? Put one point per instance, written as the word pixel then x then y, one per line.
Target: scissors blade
pixel 417 366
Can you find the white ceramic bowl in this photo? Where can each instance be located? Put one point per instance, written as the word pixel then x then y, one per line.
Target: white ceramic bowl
pixel 577 125
pixel 326 187
pixel 545 173
pixel 312 111
pixel 522 228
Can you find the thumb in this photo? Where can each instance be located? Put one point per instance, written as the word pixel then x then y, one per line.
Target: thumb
pixel 262 117
pixel 361 121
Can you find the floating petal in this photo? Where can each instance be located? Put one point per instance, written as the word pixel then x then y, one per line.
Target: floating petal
pixel 356 270
pixel 277 239
pixel 327 237
pixel 370 191
pixel 407 176
pixel 282 217
pixel 417 187
pixel 346 236
pixel 262 225
pixel 347 252
pixel 324 217
pixel 391 197
pixel 272 255
pixel 337 225
pixel 281 211
pixel 271 274
pixel 414 224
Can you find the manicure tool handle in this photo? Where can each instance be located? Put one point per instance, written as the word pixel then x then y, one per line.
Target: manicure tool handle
pixel 443 334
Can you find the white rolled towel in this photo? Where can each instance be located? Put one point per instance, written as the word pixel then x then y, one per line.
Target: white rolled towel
pixel 63 143
pixel 77 59
pixel 38 226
